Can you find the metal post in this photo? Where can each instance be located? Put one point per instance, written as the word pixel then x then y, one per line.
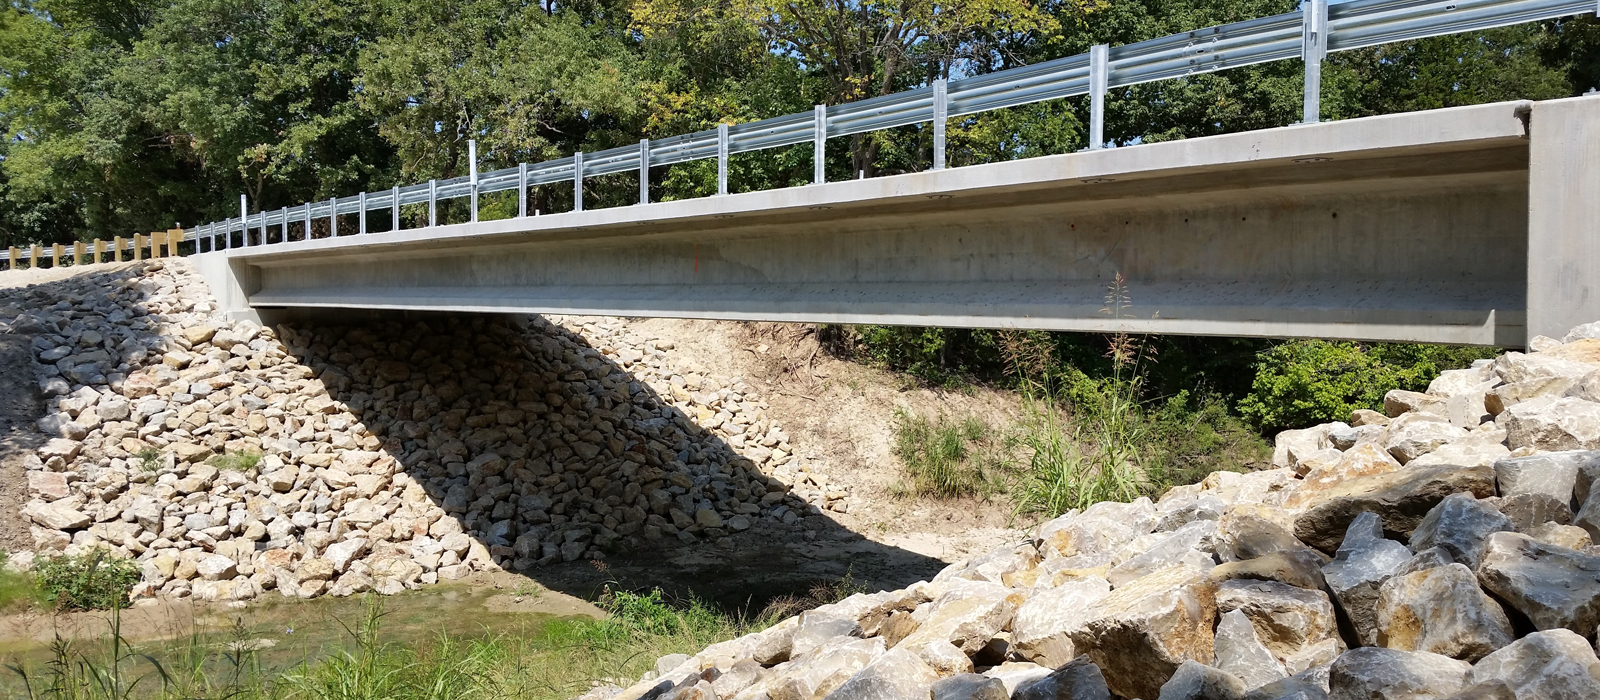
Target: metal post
pixel 244 211
pixel 263 228
pixel 433 203
pixel 361 218
pixel 1313 48
pixel 522 190
pixel 577 181
pixel 472 157
pixel 307 233
pixel 819 137
pixel 394 208
pixel 941 111
pixel 1099 74
pixel 644 171
pixel 284 237
pixel 333 217
pixel 722 159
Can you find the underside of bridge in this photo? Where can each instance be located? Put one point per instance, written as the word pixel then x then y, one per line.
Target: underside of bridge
pixel 1412 227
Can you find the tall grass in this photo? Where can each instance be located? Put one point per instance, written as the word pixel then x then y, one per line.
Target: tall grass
pixel 944 456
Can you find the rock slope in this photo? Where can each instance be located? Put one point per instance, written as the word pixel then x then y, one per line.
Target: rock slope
pixel 1441 549
pixel 232 459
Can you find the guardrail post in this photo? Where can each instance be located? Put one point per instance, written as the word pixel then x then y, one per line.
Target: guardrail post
pixel 1099 76
pixel 433 203
pixel 577 181
pixel 333 217
pixel 99 250
pixel 1313 48
pixel 394 208
pixel 819 151
pixel 55 255
pixel 472 165
pixel 522 190
pixel 263 228
pixel 35 256
pixel 156 239
pixel 722 159
pixel 283 229
pixel 117 246
pixel 77 253
pixel 14 256
pixel 941 112
pixel 175 236
pixel 361 220
pixel 644 171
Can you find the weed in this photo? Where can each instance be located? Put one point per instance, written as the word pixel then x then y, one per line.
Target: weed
pixel 236 461
pixel 16 587
pixel 944 457
pixel 149 459
pixel 93 580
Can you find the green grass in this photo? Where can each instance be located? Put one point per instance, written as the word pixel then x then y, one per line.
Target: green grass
pixel 95 580
pixel 149 459
pixel 17 588
pixel 947 457
pixel 236 461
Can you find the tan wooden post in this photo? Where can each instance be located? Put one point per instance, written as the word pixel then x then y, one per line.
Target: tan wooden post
pixel 55 255
pixel 99 250
pixel 158 244
pixel 77 253
pixel 138 246
pixel 174 237
pixel 116 249
pixel 38 255
pixel 16 256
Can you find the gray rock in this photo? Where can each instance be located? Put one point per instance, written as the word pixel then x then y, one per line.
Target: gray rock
pixel 1374 673
pixel 1431 558
pixel 1179 547
pixel 970 686
pixel 1550 423
pixel 1248 531
pixel 1288 620
pixel 1400 499
pixel 1488 690
pixel 1078 679
pixel 1555 474
pixel 1553 664
pixel 1441 610
pixel 896 675
pixel 1459 525
pixel 1197 681
pixel 1365 560
pixel 1143 631
pixel 1240 652
pixel 1041 630
pixel 1415 434
pixel 1291 688
pixel 1530 510
pixel 1554 587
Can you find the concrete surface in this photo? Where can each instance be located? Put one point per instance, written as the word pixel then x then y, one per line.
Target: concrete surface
pixel 1564 216
pixel 1403 227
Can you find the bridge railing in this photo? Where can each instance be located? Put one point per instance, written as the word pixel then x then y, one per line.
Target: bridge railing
pixel 1307 35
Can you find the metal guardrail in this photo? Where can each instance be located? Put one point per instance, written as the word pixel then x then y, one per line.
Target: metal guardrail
pixel 1308 34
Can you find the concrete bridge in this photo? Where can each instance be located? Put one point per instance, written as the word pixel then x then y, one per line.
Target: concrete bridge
pixel 1476 225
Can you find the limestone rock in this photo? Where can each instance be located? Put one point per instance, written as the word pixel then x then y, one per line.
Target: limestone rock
pixel 1459 525
pixel 1551 424
pixel 1399 402
pixel 1103 527
pixel 1555 474
pixel 59 515
pixel 1181 547
pixel 1553 586
pixel 1288 620
pixel 1400 499
pixel 1142 632
pixel 1569 536
pixel 1530 510
pixel 1415 434
pixel 1248 531
pixel 969 623
pixel 1498 399
pixel 216 567
pixel 1300 567
pixel 1553 664
pixel 1078 679
pixel 1015 674
pixel 816 629
pixel 1366 459
pixel 1041 631
pixel 896 675
pixel 969 686
pixel 1441 610
pixel 1374 673
pixel 1240 652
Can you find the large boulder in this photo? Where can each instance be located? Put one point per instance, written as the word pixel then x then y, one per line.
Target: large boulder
pixel 1550 424
pixel 1441 610
pixel 1365 459
pixel 1041 630
pixel 1400 499
pixel 969 686
pixel 1415 434
pixel 1375 673
pixel 1078 679
pixel 1239 651
pixel 1288 620
pixel 1182 547
pixel 897 675
pixel 1290 446
pixel 1301 567
pixel 1250 530
pixel 1553 473
pixel 968 622
pixel 1142 632
pixel 1459 525
pixel 1554 587
pixel 1556 664
pixel 1103 527
pixel 1364 561
pixel 1197 681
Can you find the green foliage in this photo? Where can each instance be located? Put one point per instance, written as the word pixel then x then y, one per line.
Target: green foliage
pixel 16 587
pixel 236 461
pixel 945 457
pixel 1304 382
pixel 93 580
pixel 149 459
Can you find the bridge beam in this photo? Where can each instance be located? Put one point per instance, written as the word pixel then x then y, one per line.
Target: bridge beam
pixel 1563 215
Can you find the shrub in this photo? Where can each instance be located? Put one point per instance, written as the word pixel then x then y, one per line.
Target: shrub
pixel 94 580
pixel 237 461
pixel 1305 382
pixel 943 457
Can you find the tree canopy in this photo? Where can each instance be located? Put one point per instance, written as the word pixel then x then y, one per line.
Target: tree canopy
pixel 136 115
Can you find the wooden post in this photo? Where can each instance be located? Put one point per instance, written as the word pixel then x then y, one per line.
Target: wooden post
pixel 38 254
pixel 56 253
pixel 77 253
pixel 116 248
pixel 175 236
pixel 16 256
pixel 138 246
pixel 157 239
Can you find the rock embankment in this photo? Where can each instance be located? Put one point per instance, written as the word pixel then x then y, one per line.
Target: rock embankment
pixel 232 459
pixel 1441 549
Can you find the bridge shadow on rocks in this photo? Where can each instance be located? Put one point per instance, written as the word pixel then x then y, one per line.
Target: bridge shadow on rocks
pixel 557 464
pixel 342 452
